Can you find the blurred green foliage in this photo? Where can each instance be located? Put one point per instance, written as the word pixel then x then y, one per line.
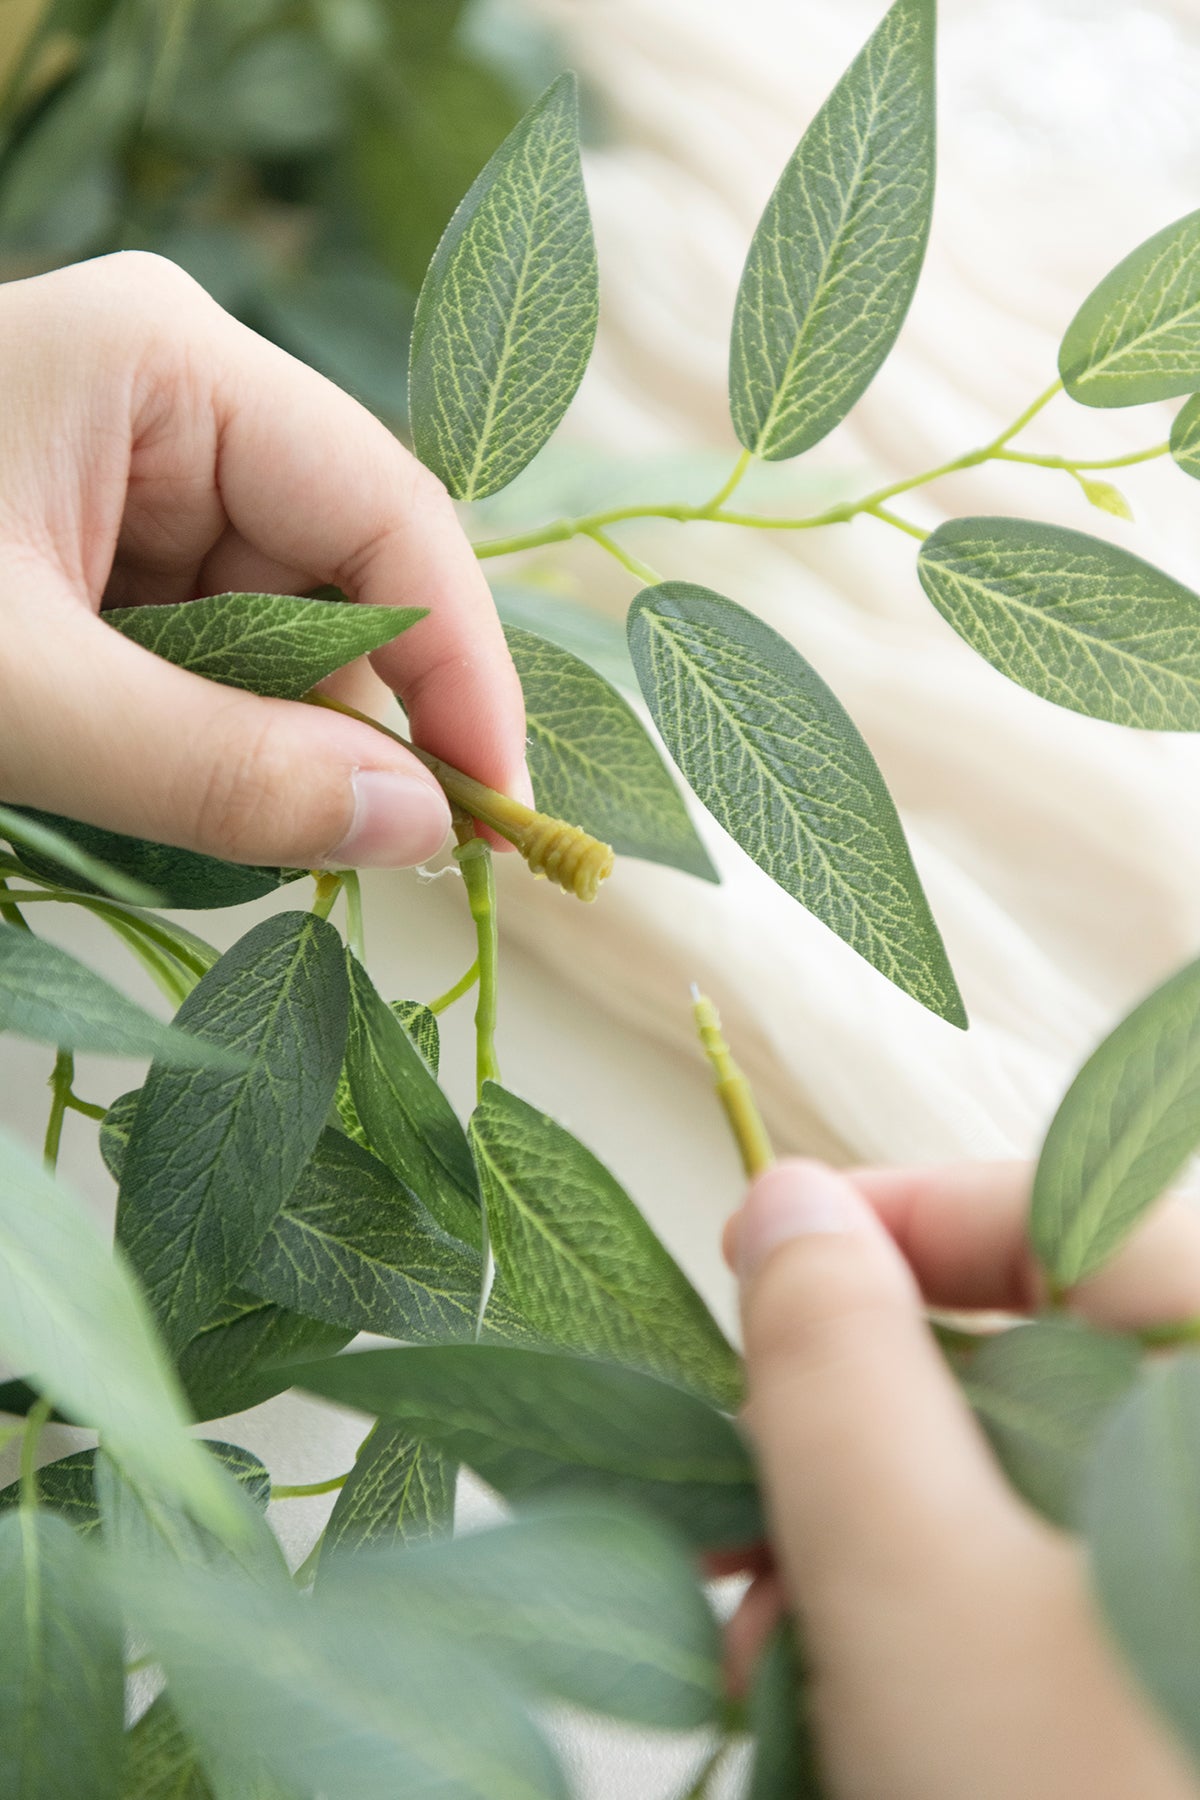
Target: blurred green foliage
pixel 300 158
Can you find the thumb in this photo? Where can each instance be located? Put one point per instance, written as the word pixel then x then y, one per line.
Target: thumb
pixel 877 1480
pixel 99 729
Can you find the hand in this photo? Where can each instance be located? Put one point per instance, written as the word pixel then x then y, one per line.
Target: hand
pixel 152 449
pixel 954 1650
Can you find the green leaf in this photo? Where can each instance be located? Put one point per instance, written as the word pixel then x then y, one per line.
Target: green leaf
pixel 1185 437
pixel 1074 619
pixel 594 639
pixel 355 1248
pixel 1142 1519
pixel 780 764
pixel 399 1492
pixel 161 1762
pixel 68 1486
pixel 600 1608
pixel 274 644
pixel 62 1665
pixel 778 1714
pixel 243 1354
pixel 140 1525
pixel 580 1263
pixel 835 259
pixel 49 996
pixel 422 1027
pixel 352 323
pixel 1137 335
pixel 1042 1392
pixel 507 313
pixel 25 832
pixel 212 1157
pixel 1106 498
pixel 180 878
pixel 269 1683
pixel 1127 1124
pixel 73 1317
pixel 593 763
pixel 531 1422
pixel 409 1123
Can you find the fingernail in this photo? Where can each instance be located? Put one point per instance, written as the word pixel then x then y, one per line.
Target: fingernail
pixel 399 819
pixel 794 1199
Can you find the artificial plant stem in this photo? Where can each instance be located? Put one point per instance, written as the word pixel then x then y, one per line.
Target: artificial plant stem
pixel 1070 467
pixel 308 1490
pixel 702 1783
pixel 355 933
pixel 8 912
pixel 60 1085
pixel 191 952
pixel 34 1420
pixel 891 518
pixel 641 570
pixel 475 860
pixel 462 986
pixel 733 1090
pixel 735 478
pixel 75 1104
pixel 569 856
pixel 329 886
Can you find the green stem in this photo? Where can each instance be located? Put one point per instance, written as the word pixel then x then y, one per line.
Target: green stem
pixel 462 986
pixel 60 1084
pixel 475 860
pixel 703 1779
pixel 891 518
pixel 735 478
pixel 1070 467
pixel 34 1421
pixel 86 1107
pixel 1167 1337
pixel 355 932
pixel 8 912
pixel 307 1490
pixel 641 570
pixel 190 951
pixel 328 887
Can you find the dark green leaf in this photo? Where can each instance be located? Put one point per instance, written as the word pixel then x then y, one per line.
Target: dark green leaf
pixel 785 1763
pixel 1137 336
pixel 507 313
pixel 1185 437
pixel 141 1526
pixel 268 1683
pixel 355 1248
pixel 73 1317
pixel 836 256
pixel 1129 1120
pixel 597 1607
pixel 596 640
pixel 161 1762
pixel 68 1487
pixel 422 1027
pixel 64 150
pixel 274 644
pixel 780 764
pixel 26 832
pixel 1074 619
pixel 212 1158
pixel 593 763
pixel 578 1260
pixel 62 1666
pixel 242 1355
pixel 531 1422
pixel 399 1492
pixel 1042 1392
pixel 409 1123
pixel 278 97
pixel 1142 1520
pixel 180 878
pixel 49 996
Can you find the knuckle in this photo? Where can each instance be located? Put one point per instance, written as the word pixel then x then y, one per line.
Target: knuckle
pixel 150 275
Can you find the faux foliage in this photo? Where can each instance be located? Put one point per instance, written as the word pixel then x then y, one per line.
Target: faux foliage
pixel 291 1172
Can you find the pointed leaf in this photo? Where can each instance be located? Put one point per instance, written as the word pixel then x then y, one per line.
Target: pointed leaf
pixel 422 1027
pixel 399 1492
pixel 1143 1537
pixel 28 835
pixel 507 313
pixel 62 1665
pixel 597 640
pixel 1074 619
pixel 1129 1121
pixel 592 762
pixel 243 1354
pixel 179 878
pixel 1137 335
pixel 275 644
pixel 354 1247
pixel 1043 1393
pixel 600 1608
pixel 211 1157
pixel 1185 437
pixel 49 996
pixel 531 1422
pixel 161 1762
pixel 835 259
pixel 780 764
pixel 73 1317
pixel 580 1263
pixel 408 1122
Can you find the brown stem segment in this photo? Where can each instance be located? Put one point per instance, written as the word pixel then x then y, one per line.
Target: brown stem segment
pixel 733 1090
pixel 551 847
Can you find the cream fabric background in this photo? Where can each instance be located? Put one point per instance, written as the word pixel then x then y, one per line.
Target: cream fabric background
pixel 1059 854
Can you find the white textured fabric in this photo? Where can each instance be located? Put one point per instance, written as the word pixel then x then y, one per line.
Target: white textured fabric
pixel 1059 854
